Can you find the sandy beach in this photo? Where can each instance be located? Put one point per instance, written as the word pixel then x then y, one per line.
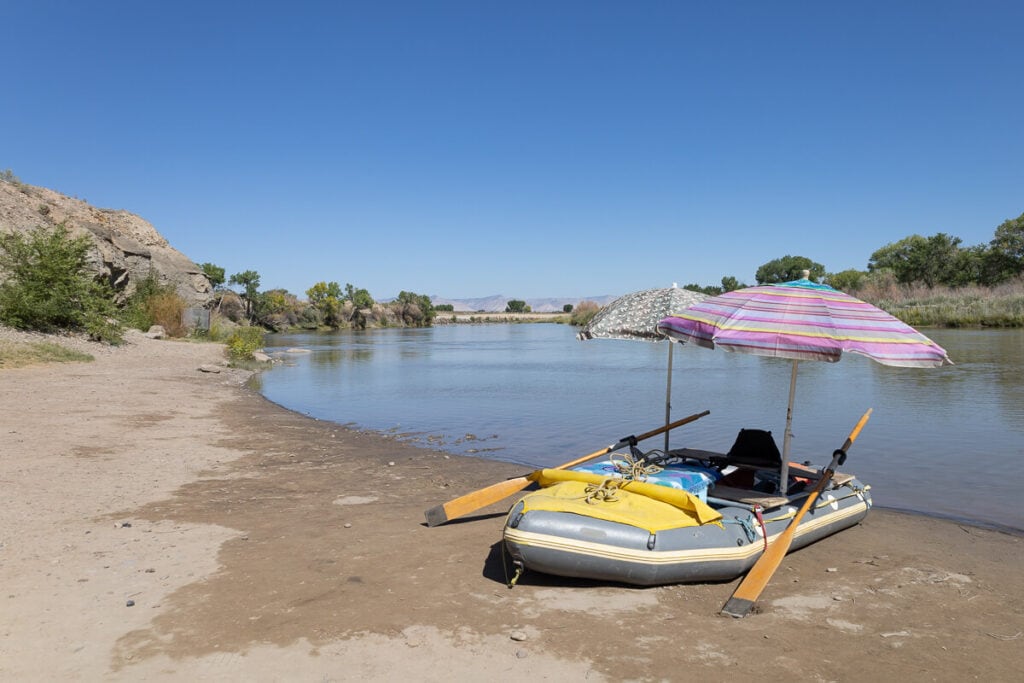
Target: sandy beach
pixel 164 523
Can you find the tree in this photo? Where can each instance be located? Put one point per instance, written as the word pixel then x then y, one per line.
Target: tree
pixel 846 280
pixel 415 309
pixel 567 308
pixel 214 273
pixel 249 281
pixel 1007 250
pixel 930 260
pixel 731 284
pixel 788 268
pixel 897 257
pixel 277 309
pixel 326 298
pixel 48 287
pixel 710 290
pixel 515 306
pixel 360 298
pixel 968 267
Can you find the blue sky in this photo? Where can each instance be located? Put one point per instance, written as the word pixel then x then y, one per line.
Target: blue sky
pixel 530 149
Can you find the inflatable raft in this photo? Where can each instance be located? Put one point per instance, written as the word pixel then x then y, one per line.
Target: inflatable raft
pixel 688 516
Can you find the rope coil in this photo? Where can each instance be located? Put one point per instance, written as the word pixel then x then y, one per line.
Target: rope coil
pixel 605 492
pixel 632 468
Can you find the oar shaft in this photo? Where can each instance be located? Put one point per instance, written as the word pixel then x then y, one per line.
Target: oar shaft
pixel 626 441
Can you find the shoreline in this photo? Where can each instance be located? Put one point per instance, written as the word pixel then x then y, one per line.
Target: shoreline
pixel 258 544
pixel 523 469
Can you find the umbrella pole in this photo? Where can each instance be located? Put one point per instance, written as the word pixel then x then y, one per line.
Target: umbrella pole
pixel 668 395
pixel 788 436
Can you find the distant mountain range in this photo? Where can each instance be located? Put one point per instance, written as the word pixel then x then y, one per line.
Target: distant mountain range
pixel 498 302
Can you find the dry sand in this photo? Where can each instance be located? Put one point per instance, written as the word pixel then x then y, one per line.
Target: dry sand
pixel 255 544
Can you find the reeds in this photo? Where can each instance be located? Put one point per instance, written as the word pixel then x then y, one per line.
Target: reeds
pixel 940 306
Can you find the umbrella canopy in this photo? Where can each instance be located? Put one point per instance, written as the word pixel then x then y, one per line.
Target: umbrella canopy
pixel 636 316
pixel 801 320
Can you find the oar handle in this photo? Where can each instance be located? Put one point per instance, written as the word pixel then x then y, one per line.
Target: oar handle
pixel 654 432
pixel 626 441
pixel 839 456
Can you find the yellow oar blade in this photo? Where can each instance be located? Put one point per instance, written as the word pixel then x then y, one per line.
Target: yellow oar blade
pixel 749 590
pixel 474 501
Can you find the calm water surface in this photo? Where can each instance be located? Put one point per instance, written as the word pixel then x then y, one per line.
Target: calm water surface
pixel 945 441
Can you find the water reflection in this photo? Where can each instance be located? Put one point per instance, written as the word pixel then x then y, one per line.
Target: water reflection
pixel 946 440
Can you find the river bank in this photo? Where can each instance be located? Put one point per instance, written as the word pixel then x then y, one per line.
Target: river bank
pixel 163 523
pixel 463 317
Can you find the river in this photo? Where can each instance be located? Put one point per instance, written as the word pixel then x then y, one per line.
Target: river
pixel 945 441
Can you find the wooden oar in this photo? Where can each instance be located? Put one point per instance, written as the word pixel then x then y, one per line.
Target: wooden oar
pixel 471 502
pixel 760 574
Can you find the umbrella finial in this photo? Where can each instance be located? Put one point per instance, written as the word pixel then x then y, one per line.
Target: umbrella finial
pixel 805 274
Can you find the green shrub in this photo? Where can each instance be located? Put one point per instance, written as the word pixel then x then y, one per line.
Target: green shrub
pixel 137 311
pixel 48 288
pixel 583 313
pixel 221 328
pixel 245 341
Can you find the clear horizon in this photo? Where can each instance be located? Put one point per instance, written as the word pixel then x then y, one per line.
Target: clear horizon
pixel 462 149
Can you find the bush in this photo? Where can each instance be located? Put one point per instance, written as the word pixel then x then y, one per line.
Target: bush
pixel 48 288
pixel 167 310
pixel 583 313
pixel 154 304
pixel 221 328
pixel 245 341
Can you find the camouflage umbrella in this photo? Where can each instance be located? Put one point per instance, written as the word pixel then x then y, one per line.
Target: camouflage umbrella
pixel 636 316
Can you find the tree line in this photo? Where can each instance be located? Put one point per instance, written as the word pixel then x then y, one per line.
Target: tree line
pixel 937 260
pixel 327 304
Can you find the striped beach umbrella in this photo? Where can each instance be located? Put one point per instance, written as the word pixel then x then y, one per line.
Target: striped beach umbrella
pixel 801 320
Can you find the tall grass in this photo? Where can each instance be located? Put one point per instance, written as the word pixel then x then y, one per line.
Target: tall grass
pixel 969 306
pixel 167 310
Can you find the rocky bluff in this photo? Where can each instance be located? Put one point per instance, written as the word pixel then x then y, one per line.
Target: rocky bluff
pixel 127 247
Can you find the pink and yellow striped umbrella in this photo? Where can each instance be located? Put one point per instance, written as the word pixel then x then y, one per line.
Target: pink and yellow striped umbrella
pixel 801 320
